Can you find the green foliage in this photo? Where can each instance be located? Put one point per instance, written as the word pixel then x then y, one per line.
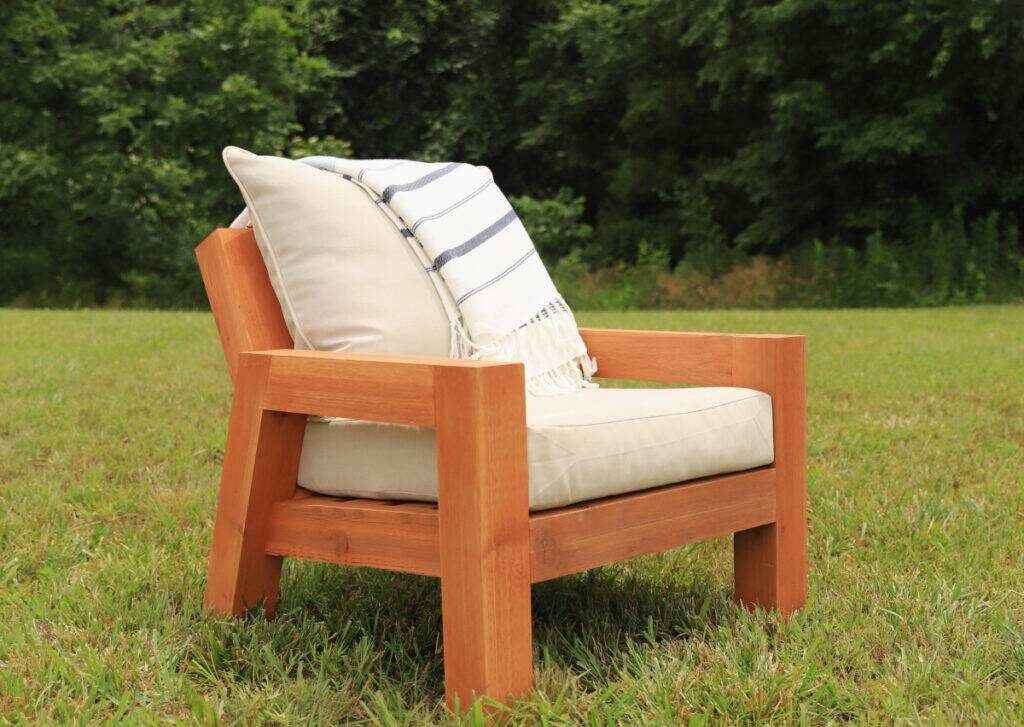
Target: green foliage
pixel 958 264
pixel 555 223
pixel 878 146
pixel 720 129
pixel 112 117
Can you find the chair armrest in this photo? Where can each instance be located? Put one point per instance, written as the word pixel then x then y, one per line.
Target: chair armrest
pixel 392 389
pixel 478 410
pixel 774 364
pixel 756 361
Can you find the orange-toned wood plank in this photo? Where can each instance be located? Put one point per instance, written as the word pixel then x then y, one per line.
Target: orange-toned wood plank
pixel 261 462
pixel 357 386
pixel 356 532
pixel 771 561
pixel 574 538
pixel 483 507
pixel 562 541
pixel 692 358
pixel 243 302
pixel 417 506
pixel 678 357
pixel 393 389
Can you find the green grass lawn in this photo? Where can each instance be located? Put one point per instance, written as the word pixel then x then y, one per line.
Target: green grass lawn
pixel 112 428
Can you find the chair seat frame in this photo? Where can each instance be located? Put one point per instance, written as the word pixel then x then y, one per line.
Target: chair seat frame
pixel 480 538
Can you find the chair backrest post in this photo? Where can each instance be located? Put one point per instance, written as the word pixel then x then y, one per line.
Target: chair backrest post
pixel 243 302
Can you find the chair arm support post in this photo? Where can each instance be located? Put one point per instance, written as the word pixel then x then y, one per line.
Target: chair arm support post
pixel 771 561
pixel 483 503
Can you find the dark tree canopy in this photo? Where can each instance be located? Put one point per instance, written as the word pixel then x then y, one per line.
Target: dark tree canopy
pixel 875 148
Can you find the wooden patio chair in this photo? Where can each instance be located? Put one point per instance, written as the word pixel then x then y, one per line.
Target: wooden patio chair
pixel 480 538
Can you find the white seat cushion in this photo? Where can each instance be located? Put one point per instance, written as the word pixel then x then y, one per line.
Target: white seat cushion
pixel 580 446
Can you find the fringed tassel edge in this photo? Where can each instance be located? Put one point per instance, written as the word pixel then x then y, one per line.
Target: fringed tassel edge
pixel 541 339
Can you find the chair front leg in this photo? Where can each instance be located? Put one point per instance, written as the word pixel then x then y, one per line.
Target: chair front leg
pixel 484 533
pixel 261 463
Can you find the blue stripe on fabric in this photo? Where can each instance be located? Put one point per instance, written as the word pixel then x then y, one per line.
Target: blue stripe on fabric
pixel 496 278
pixel 442 213
pixel 476 240
pixel 392 189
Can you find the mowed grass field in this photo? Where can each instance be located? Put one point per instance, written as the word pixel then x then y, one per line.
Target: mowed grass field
pixel 112 428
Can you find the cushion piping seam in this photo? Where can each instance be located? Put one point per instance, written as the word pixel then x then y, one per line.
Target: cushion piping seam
pixel 573 491
pixel 255 215
pixel 448 306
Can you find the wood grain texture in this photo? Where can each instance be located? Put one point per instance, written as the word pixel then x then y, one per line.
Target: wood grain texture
pixel 392 389
pixel 483 505
pixel 404 537
pixel 667 356
pixel 575 538
pixel 261 462
pixel 771 561
pixel 244 306
pixel 355 386
pixel 673 357
pixel 392 536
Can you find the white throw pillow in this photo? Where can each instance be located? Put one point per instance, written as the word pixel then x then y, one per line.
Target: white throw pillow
pixel 345 277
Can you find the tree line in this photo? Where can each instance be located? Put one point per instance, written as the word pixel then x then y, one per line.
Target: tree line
pixel 829 152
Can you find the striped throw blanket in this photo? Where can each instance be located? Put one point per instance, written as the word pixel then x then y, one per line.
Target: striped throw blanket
pixel 500 299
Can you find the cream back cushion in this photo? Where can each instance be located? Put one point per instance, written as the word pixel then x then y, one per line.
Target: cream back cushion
pixel 345 277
